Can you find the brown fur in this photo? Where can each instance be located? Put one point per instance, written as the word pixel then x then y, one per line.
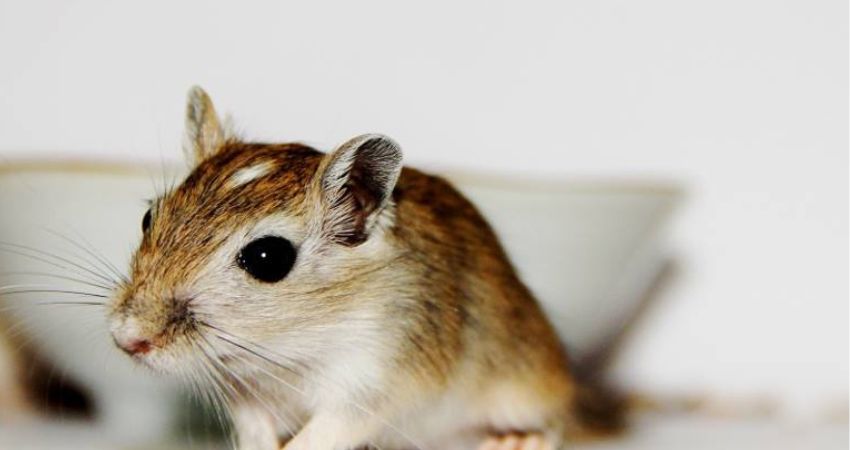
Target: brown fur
pixel 203 211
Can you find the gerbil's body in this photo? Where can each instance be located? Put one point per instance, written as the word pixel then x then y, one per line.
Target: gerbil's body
pixel 338 301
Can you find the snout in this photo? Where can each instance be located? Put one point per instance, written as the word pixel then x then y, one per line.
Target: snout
pixel 131 338
pixel 133 346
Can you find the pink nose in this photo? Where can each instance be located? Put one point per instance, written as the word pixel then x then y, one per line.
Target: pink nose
pixel 134 346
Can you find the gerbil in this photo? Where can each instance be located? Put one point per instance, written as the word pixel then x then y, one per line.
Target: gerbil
pixel 336 301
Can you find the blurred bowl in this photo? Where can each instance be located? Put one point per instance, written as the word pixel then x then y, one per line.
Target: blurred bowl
pixel 75 211
pixel 588 250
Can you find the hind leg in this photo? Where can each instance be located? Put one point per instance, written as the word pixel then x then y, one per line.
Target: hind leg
pixel 515 441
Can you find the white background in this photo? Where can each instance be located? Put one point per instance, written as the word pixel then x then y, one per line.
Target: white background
pixel 745 102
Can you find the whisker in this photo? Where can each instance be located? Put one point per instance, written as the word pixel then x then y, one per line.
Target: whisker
pixel 46 261
pixel 14 291
pixel 290 415
pixel 269 408
pixel 58 277
pixel 233 374
pixel 209 363
pixel 105 263
pixel 71 303
pixel 21 249
pixel 215 395
pixel 265 358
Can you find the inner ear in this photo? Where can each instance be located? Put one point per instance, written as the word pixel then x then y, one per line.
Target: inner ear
pixel 358 184
pixel 365 198
pixel 366 182
pixel 203 135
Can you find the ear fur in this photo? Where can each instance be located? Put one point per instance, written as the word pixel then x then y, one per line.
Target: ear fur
pixel 357 185
pixel 204 134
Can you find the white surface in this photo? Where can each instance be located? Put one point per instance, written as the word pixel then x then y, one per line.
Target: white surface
pixel 705 433
pixel 650 433
pixel 745 100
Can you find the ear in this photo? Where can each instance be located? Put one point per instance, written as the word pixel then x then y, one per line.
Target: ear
pixel 204 134
pixel 357 184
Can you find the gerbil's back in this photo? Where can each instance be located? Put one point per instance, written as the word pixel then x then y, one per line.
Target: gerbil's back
pixel 466 273
pixel 436 221
pixel 433 217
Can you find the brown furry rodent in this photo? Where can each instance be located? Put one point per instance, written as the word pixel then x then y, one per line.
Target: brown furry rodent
pixel 336 301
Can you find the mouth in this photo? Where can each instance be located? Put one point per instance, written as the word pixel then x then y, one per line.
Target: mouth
pixel 159 362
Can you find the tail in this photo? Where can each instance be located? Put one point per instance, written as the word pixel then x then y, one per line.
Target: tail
pixel 598 411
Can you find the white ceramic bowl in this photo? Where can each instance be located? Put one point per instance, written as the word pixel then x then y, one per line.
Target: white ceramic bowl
pixel 588 250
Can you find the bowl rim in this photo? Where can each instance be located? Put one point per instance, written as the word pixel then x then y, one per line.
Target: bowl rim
pixel 647 185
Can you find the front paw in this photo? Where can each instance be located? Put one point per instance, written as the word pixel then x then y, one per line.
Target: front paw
pixel 517 442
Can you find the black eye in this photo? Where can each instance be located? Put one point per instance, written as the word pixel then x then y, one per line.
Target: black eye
pixel 146 221
pixel 267 259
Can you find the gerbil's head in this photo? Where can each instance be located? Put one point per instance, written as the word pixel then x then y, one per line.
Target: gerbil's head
pixel 259 244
